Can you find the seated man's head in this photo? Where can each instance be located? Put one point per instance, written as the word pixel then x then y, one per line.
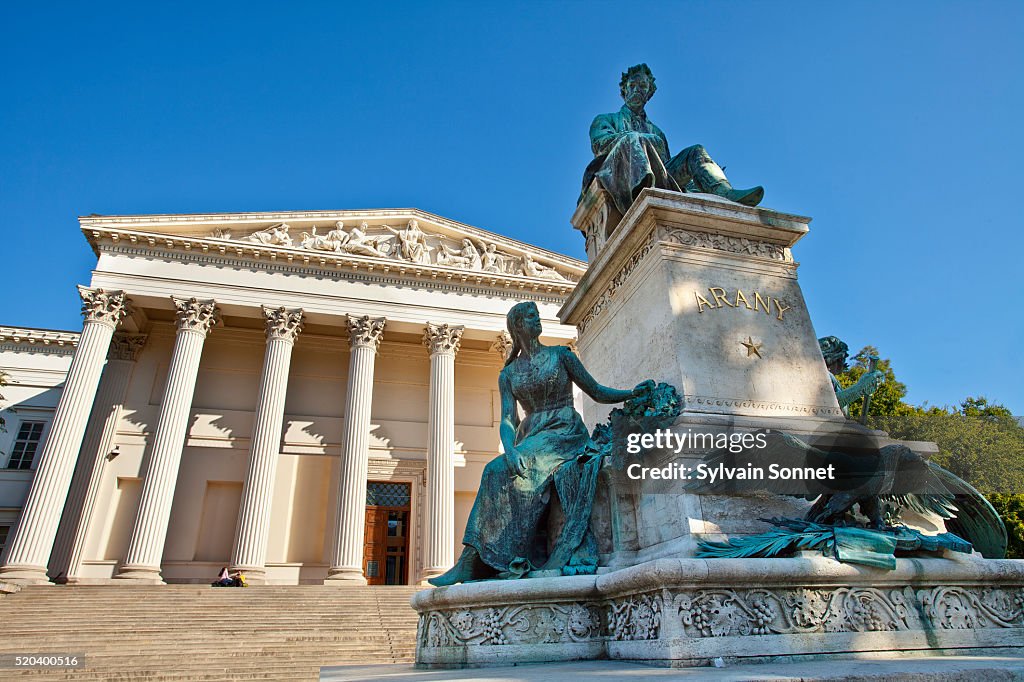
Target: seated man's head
pixel 637 86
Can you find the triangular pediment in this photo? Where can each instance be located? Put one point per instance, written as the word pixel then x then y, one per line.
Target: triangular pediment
pixel 407 240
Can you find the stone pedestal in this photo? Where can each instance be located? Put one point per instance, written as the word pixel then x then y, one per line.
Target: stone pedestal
pixel 702 293
pixel 688 612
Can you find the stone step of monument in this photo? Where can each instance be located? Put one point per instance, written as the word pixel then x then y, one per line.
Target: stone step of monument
pixel 192 632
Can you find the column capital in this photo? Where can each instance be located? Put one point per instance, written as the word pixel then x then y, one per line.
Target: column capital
pixel 443 338
pixel 197 315
pixel 365 331
pixel 283 323
pixel 502 344
pixel 99 305
pixel 126 346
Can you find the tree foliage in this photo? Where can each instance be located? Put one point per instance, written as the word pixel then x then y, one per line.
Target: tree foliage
pixel 979 441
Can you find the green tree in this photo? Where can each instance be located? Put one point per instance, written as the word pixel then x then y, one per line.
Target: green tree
pixel 1011 509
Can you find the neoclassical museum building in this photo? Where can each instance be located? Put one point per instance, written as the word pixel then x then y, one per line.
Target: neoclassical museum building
pixel 309 397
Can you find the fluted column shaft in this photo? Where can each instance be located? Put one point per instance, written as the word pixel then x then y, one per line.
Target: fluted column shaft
pixel 250 549
pixel 350 522
pixel 29 548
pixel 99 440
pixel 145 550
pixel 439 550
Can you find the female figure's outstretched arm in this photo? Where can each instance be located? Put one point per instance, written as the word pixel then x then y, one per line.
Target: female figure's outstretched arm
pixel 602 394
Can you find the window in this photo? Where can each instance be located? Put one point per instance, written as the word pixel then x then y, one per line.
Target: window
pixel 24 450
pixel 3 537
pixel 388 494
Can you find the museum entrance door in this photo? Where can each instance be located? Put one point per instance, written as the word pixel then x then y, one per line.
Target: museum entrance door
pixel 386 540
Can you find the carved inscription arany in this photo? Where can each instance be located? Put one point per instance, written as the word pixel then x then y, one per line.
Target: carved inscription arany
pixel 719 297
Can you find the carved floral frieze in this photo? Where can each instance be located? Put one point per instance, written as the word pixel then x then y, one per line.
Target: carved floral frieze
pixel 620 278
pixel 635 618
pixel 515 624
pixel 723 612
pixel 721 242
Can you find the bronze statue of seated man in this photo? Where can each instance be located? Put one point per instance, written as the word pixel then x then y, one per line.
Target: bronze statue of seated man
pixel 631 153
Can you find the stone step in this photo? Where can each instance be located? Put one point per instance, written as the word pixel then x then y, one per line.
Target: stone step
pixel 175 633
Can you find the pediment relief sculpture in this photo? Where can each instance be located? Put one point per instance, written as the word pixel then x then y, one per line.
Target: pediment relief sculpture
pixel 410 244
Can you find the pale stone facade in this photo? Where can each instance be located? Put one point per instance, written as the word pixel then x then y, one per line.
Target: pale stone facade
pixel 239 380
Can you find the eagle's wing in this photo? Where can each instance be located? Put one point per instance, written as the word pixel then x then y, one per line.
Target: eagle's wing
pixel 976 521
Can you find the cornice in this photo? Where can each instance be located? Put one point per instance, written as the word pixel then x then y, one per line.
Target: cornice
pixel 38 340
pixel 214 251
pixel 258 219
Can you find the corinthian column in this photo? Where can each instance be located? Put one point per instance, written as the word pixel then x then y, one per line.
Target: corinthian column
pixel 29 548
pixel 99 440
pixel 142 564
pixel 250 550
pixel 502 344
pixel 347 560
pixel 439 553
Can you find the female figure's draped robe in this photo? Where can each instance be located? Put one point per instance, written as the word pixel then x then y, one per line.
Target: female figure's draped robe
pixel 559 457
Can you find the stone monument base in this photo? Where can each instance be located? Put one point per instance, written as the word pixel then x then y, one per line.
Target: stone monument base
pixel 689 612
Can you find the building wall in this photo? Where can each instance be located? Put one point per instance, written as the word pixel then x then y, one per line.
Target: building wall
pixel 214 460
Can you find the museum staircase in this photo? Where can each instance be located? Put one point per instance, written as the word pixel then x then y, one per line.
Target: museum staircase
pixel 192 632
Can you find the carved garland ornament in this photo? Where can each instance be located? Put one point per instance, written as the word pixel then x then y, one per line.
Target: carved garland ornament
pixel 635 618
pixel 442 338
pixel 524 624
pixel 283 323
pixel 365 331
pixel 602 302
pixel 722 612
pixel 196 315
pixel 721 242
pixel 107 307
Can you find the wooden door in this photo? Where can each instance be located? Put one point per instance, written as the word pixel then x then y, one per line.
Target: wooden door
pixel 386 546
pixel 386 538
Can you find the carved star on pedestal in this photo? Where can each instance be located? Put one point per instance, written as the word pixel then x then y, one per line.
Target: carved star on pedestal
pixel 752 348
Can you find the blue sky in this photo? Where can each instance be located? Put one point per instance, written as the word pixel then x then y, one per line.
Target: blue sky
pixel 897 126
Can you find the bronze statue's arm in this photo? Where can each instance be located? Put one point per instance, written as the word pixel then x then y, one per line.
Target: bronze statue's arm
pixel 581 377
pixel 602 135
pixel 509 424
pixel 866 385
